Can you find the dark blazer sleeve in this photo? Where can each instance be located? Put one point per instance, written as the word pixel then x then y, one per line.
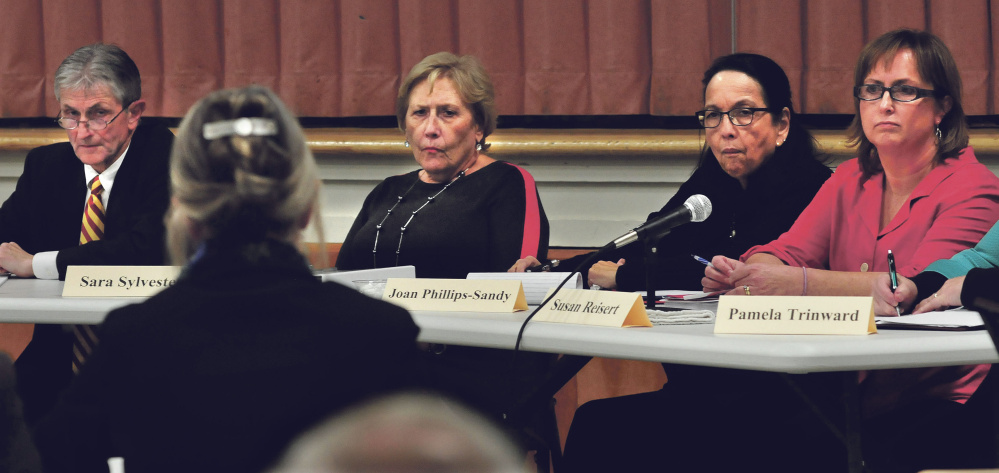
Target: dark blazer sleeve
pixel 134 230
pixel 13 213
pixel 45 210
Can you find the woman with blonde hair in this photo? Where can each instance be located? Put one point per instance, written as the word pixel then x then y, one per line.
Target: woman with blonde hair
pixel 462 211
pixel 220 371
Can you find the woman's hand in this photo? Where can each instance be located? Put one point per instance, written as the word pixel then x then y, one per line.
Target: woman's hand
pixel 949 295
pixel 522 264
pixel 716 276
pixel 604 274
pixel 885 301
pixel 764 279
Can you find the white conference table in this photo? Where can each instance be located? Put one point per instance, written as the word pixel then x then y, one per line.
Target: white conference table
pixel 38 301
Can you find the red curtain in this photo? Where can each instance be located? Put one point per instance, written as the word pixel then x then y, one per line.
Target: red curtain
pixel 345 58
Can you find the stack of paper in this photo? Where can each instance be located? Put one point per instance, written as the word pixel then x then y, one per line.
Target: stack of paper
pixel 536 285
pixel 958 319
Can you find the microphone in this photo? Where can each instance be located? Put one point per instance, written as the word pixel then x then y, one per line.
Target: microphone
pixel 697 208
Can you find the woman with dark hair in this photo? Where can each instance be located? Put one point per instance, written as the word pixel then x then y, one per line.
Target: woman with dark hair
pixel 758 167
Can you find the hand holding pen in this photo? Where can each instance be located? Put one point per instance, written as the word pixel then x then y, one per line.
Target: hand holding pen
pixel 887 301
pixel 893 277
pixel 716 273
pixel 892 293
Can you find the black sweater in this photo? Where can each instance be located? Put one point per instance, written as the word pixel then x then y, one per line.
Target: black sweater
pixel 740 219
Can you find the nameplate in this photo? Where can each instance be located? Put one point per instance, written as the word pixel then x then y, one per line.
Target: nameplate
pixel 795 315
pixel 456 295
pixel 605 308
pixel 118 281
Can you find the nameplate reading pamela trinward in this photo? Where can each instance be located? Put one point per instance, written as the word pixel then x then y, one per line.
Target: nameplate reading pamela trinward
pixel 118 281
pixel 795 315
pixel 456 295
pixel 604 308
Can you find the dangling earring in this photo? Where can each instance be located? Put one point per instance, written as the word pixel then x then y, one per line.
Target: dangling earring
pixel 478 146
pixel 406 143
pixel 939 134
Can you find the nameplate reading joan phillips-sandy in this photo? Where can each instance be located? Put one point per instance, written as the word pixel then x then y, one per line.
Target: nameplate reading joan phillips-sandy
pixel 795 315
pixel 456 295
pixel 118 281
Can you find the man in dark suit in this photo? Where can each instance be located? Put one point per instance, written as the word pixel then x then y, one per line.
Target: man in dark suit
pixel 100 98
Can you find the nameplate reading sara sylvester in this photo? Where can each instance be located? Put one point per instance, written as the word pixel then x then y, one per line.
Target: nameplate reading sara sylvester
pixel 795 315
pixel 118 281
pixel 456 295
pixel 605 308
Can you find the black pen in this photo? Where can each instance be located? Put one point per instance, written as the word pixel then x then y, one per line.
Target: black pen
pixel 894 278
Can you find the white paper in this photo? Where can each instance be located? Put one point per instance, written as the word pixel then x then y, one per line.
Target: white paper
pixel 536 285
pixel 676 295
pixel 944 318
pixel 347 278
pixel 680 317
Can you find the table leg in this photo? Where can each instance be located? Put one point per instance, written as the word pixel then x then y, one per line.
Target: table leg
pixel 851 408
pixel 541 402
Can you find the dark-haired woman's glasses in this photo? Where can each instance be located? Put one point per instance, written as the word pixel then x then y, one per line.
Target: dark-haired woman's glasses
pixel 738 116
pixel 899 93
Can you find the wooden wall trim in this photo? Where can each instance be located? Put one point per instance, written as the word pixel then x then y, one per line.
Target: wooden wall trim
pixel 516 142
pixel 333 249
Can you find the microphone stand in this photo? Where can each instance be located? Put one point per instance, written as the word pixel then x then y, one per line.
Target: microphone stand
pixel 649 242
pixel 651 263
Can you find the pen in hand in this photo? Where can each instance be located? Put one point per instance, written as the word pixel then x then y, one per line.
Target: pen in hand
pixel 703 261
pixel 893 275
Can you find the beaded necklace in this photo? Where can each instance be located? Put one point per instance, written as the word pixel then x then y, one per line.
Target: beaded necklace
pixel 402 230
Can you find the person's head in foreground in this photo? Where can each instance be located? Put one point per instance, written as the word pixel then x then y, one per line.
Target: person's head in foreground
pixel 407 433
pixel 241 174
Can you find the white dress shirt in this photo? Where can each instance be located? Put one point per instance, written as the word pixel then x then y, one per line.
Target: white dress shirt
pixel 44 262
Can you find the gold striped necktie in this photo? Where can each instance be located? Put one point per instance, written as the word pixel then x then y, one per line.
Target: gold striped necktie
pixel 84 338
pixel 93 215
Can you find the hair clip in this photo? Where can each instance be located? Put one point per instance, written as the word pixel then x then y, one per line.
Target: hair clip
pixel 240 126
